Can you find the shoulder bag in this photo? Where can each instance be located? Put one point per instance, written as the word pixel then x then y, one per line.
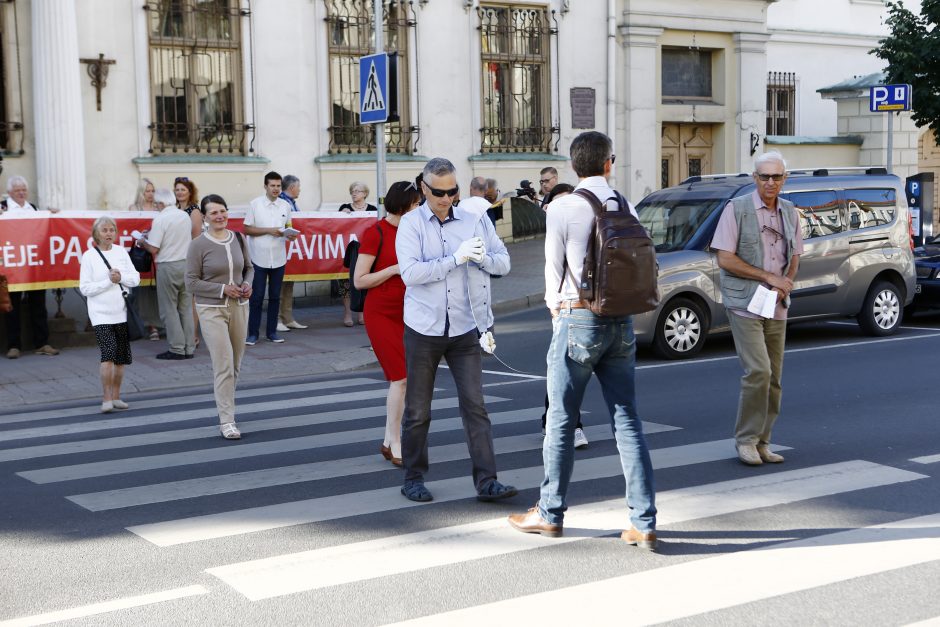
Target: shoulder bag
pixel 135 327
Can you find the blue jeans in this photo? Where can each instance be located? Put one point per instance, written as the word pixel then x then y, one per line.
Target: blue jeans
pixel 272 277
pixel 582 344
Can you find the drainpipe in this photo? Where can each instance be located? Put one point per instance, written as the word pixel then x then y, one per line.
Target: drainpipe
pixel 612 80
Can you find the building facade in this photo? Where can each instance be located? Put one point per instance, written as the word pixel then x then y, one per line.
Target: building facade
pixel 100 93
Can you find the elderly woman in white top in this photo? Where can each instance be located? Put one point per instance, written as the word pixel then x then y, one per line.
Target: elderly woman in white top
pixel 107 273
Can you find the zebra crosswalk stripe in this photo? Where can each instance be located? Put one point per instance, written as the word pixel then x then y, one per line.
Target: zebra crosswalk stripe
pixel 242 521
pixel 313 471
pixel 309 570
pixel 240 395
pixel 726 581
pixel 250 425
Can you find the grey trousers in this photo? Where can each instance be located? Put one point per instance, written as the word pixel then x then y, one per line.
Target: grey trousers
pixel 759 344
pixel 176 307
pixel 224 330
pixel 423 354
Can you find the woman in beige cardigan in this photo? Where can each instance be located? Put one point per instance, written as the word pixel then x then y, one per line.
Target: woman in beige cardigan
pixel 219 274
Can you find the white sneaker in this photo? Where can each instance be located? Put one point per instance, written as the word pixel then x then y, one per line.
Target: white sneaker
pixel 580 440
pixel 293 324
pixel 282 327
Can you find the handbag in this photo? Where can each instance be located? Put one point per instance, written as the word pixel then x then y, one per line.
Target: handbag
pixel 357 297
pixel 6 305
pixel 135 326
pixel 141 259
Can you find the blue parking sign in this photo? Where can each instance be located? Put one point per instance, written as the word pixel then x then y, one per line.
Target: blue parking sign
pixel 890 98
pixel 373 88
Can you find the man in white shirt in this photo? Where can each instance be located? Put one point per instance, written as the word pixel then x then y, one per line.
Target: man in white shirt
pixel 476 203
pixel 583 344
pixel 265 221
pixel 168 241
pixel 17 203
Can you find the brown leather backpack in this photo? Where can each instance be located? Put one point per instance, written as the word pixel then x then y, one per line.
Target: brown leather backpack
pixel 620 269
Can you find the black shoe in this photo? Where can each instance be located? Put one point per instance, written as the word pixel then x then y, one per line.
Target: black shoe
pixel 170 355
pixel 190 356
pixel 415 491
pixel 496 491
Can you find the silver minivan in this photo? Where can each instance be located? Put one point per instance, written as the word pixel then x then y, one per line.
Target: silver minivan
pixel 857 258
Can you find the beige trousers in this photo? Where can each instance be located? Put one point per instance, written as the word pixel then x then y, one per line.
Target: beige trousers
pixel 759 344
pixel 286 310
pixel 224 330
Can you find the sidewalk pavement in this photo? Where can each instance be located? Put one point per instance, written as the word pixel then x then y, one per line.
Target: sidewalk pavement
pixel 326 347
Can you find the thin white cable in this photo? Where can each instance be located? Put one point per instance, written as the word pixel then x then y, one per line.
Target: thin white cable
pixel 477 323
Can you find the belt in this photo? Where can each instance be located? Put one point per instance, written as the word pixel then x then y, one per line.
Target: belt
pixel 572 304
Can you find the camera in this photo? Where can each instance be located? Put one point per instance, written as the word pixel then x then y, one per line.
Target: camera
pixel 526 189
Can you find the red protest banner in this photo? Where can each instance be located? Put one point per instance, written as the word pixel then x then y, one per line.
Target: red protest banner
pixel 45 250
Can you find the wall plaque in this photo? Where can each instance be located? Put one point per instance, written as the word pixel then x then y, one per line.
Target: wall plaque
pixel 582 107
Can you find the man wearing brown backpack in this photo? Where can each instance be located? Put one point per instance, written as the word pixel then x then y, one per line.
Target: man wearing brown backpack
pixel 584 343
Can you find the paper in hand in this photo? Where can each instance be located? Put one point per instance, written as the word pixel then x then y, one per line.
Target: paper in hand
pixel 764 302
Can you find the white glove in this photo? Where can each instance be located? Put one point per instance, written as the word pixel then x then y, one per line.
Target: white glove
pixel 488 342
pixel 470 249
pixel 479 258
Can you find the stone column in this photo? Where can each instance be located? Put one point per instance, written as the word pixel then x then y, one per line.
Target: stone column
pixel 751 113
pixel 639 144
pixel 57 105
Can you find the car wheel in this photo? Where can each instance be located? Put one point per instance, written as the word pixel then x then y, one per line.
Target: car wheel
pixel 882 311
pixel 680 330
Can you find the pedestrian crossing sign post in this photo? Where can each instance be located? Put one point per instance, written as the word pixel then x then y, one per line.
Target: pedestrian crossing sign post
pixel 374 94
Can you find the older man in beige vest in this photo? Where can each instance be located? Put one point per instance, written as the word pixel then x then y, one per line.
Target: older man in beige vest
pixel 759 244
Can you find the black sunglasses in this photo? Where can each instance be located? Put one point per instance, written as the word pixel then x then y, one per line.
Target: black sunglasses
pixel 181 179
pixel 613 158
pixel 767 177
pixel 440 193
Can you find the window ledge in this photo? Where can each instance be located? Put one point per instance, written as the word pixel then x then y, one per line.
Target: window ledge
pixel 369 158
pixel 517 156
pixel 803 140
pixel 201 158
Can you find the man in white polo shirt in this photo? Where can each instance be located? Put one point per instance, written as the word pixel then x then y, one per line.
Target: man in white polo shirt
pixel 265 221
pixel 168 242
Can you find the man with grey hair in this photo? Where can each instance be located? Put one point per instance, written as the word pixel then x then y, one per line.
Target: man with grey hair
pixel 17 203
pixel 446 256
pixel 168 241
pixel 290 192
pixel 759 244
pixel 476 203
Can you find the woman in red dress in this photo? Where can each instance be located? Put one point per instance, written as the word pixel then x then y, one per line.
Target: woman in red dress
pixel 384 306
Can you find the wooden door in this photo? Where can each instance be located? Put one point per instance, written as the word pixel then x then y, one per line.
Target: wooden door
pixel 686 151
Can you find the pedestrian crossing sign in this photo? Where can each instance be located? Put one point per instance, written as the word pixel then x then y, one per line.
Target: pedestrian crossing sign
pixel 373 88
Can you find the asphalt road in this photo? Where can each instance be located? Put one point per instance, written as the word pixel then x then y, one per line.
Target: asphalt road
pixel 148 517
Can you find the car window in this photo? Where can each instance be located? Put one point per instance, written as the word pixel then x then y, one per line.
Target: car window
pixel 870 207
pixel 820 212
pixel 671 222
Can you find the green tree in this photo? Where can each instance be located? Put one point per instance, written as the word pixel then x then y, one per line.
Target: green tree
pixel 912 52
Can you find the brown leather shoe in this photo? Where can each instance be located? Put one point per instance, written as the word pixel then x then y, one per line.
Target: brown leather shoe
pixel 767 455
pixel 46 349
pixel 646 540
pixel 532 522
pixel 386 452
pixel 748 454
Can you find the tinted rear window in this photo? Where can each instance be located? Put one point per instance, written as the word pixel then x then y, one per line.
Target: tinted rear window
pixel 871 207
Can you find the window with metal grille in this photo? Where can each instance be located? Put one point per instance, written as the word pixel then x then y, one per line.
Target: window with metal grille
pixel 196 77
pixel 11 84
pixel 514 50
pixel 350 30
pixel 781 103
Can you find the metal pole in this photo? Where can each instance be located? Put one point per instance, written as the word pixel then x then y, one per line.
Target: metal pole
pixel 377 10
pixel 890 141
